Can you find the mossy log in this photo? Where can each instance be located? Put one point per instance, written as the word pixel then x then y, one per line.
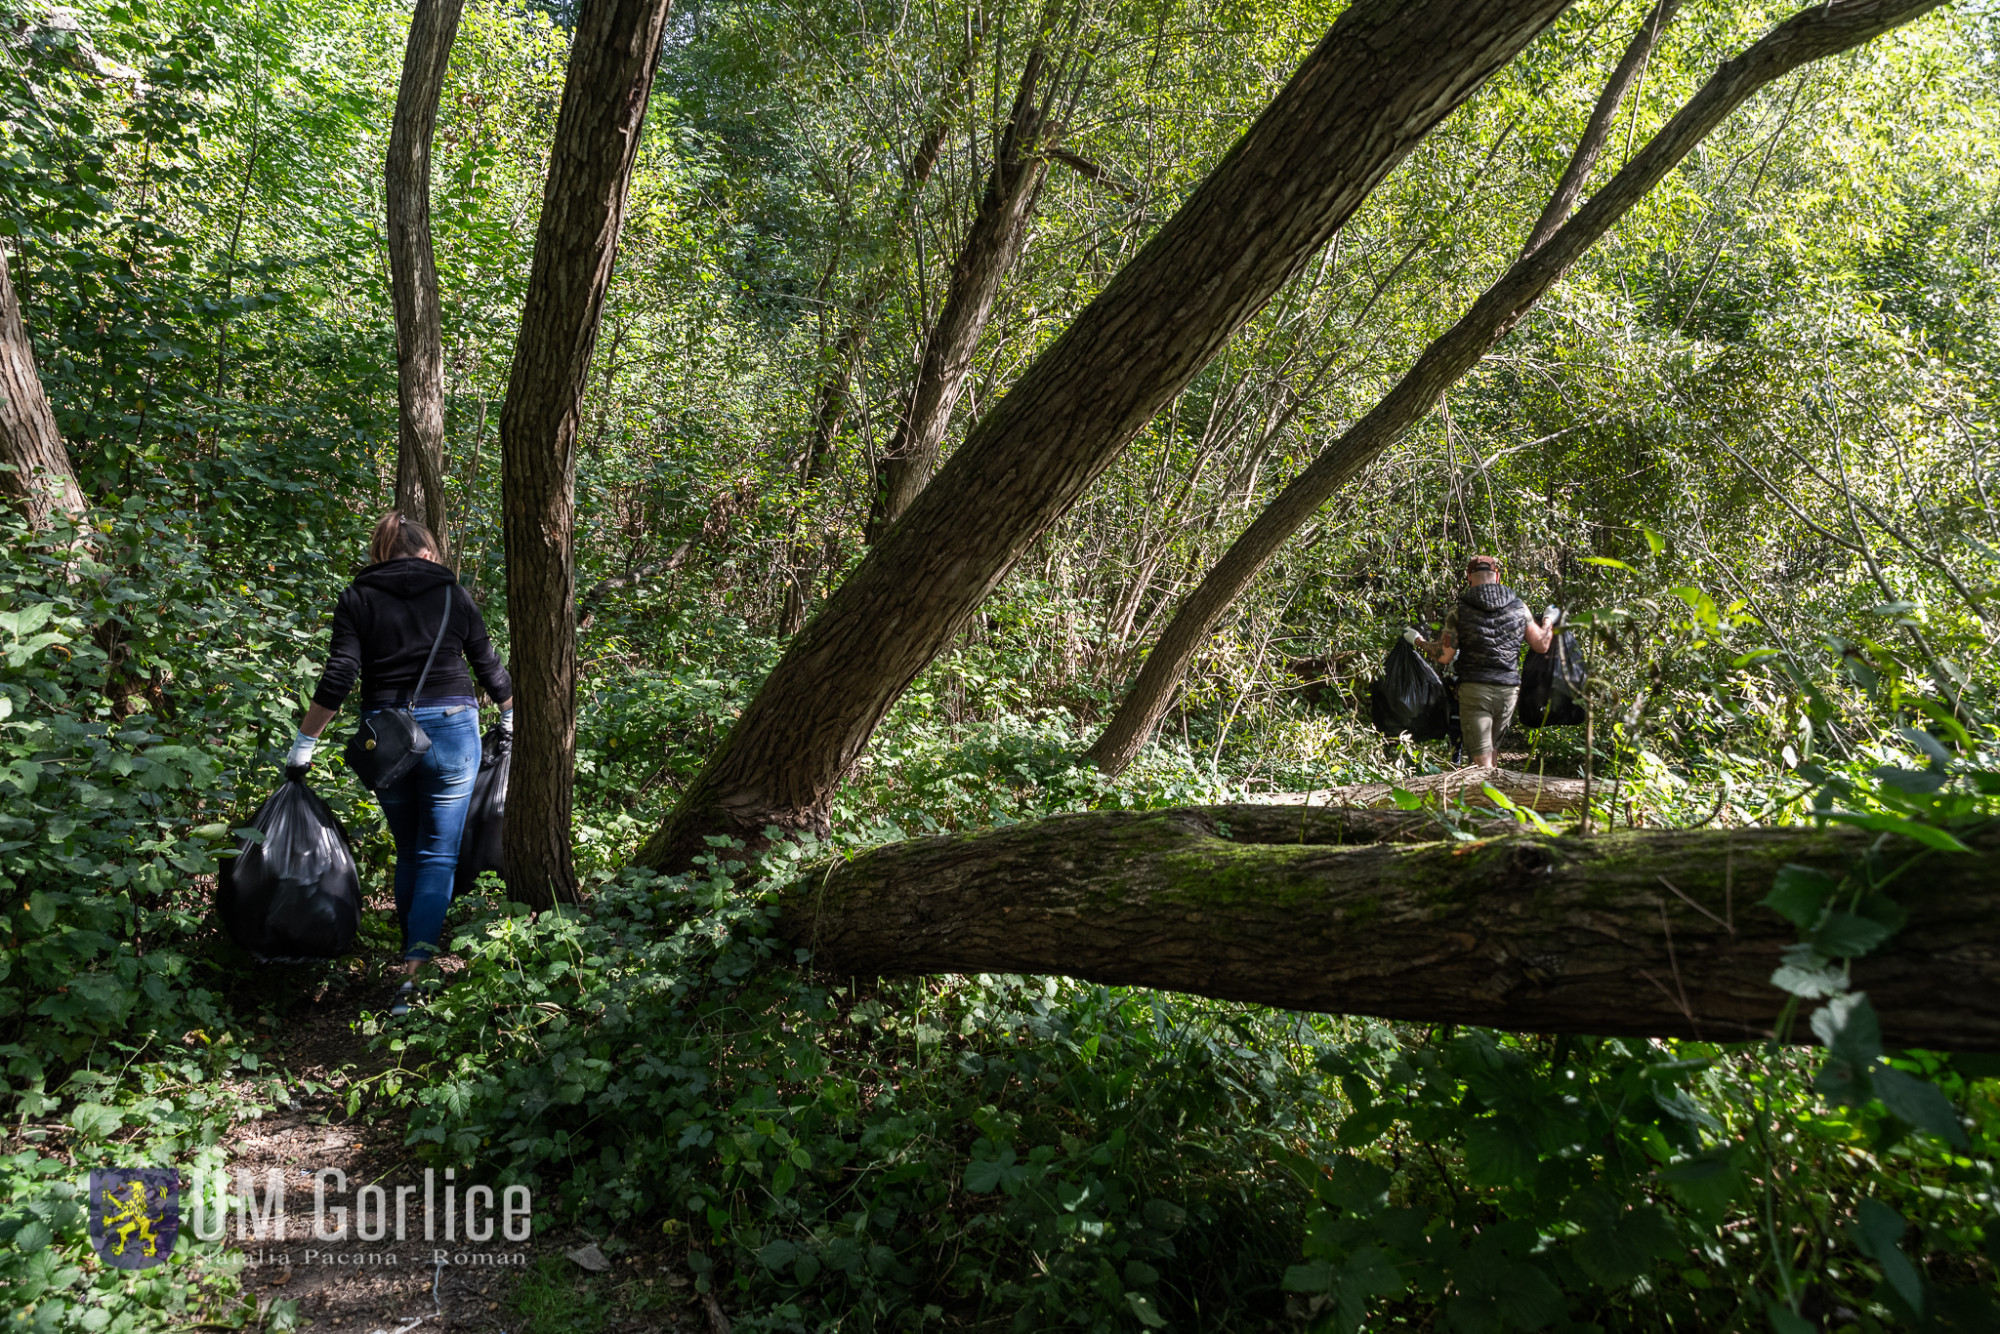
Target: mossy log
pixel 1542 792
pixel 1638 933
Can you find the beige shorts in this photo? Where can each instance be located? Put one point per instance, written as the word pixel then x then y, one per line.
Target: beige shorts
pixel 1483 714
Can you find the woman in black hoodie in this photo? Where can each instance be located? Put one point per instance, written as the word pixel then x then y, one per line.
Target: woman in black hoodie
pixel 383 628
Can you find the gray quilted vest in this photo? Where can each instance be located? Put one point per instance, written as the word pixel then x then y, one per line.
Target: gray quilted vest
pixel 1491 624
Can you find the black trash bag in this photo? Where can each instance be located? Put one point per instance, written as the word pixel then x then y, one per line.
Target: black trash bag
pixel 1552 686
pixel 479 847
pixel 1409 697
pixel 294 896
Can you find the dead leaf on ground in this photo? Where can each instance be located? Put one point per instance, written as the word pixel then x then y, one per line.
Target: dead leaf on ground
pixel 590 1258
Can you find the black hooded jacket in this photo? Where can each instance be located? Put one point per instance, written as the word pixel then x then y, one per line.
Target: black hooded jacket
pixel 1490 622
pixel 383 627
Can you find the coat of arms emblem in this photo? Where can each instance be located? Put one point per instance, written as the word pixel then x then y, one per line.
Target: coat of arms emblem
pixel 135 1215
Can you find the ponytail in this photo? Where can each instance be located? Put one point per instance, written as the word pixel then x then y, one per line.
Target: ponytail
pixel 396 536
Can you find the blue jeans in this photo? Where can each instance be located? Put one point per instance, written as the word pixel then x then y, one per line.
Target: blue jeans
pixel 426 814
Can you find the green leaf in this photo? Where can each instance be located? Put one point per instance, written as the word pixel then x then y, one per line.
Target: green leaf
pixel 1357 1185
pixel 1799 894
pixel 1705 1184
pixel 1784 1320
pixel 990 1169
pixel 1849 1028
pixel 1142 1307
pixel 1498 1152
pixel 777 1254
pixel 1919 1102
pixel 1878 1231
pixel 1607 562
pixel 1918 782
pixel 1367 1273
pixel 1618 1249
pixel 1809 983
pixel 1846 935
pixel 94 1120
pixel 1314 1276
pixel 33 1236
pixel 1882 822
pixel 1928 744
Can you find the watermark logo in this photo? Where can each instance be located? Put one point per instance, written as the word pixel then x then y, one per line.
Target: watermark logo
pixel 135 1215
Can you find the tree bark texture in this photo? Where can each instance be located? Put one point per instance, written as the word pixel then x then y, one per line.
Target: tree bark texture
pixel 1808 36
pixel 1631 67
pixel 1537 792
pixel 1386 73
pixel 992 244
pixel 1640 934
pixel 413 284
pixel 42 481
pixel 612 59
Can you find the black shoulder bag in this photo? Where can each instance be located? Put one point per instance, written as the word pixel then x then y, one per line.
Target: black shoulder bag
pixel 388 744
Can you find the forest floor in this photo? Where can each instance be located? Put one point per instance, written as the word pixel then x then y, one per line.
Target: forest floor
pixel 352 1285
pixel 554 1280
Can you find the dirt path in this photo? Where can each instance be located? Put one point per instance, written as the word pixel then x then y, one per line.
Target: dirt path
pixel 448 1281
pixel 348 1284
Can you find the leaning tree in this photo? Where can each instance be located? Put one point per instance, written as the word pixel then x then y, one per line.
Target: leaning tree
pixel 1645 933
pixel 1380 80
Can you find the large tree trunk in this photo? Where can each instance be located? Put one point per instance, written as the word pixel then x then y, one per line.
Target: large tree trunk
pixel 1649 934
pixel 1386 73
pixel 992 244
pixel 413 286
pixel 612 59
pixel 41 481
pixel 1806 37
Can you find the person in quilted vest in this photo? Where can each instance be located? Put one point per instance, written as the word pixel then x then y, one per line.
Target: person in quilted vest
pixel 1482 638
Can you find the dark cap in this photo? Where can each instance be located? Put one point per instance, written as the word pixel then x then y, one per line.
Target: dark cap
pixel 1483 563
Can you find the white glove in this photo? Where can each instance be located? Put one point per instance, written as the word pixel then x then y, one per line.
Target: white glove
pixel 1412 637
pixel 1551 614
pixel 506 722
pixel 301 753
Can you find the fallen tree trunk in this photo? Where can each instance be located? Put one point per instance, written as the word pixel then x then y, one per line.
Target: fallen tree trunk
pixel 1633 934
pixel 1536 791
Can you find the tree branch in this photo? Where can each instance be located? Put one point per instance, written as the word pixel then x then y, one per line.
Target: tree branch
pixel 1092 172
pixel 1630 69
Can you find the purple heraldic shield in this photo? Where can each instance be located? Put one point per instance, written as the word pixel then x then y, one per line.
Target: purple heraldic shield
pixel 135 1215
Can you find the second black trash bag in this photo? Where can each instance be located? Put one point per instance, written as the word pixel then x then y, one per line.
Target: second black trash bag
pixel 294 895
pixel 479 847
pixel 1552 686
pixel 1409 697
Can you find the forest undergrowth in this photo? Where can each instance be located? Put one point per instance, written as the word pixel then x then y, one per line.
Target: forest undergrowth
pixel 964 1151
pixel 1747 442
